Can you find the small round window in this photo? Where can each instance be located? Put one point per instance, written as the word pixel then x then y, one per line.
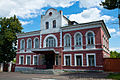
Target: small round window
pixel 50 14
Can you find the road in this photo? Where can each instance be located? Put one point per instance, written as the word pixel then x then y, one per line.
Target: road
pixel 65 76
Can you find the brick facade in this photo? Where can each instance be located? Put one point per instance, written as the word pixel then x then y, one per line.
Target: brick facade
pixel 100 50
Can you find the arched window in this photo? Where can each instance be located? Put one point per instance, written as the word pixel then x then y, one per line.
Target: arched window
pixel 47 25
pixel 78 40
pixel 90 38
pixel 54 24
pixel 22 44
pixel 36 43
pixel 67 40
pixel 50 42
pixel 29 43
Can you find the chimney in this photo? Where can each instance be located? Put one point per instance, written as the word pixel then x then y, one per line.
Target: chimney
pixel 61 12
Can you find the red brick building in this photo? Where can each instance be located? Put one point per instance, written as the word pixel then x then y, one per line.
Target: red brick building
pixel 63 44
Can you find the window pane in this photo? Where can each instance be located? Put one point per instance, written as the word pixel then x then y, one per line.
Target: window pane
pixel 54 24
pixel 67 60
pixel 91 60
pixel 22 44
pixel 50 42
pixel 78 40
pixel 21 58
pixel 67 39
pixel 90 38
pixel 36 43
pixel 28 60
pixel 35 60
pixel 79 60
pixel 47 25
pixel 29 44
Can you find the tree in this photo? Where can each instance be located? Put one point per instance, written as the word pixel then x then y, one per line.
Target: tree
pixel 110 4
pixel 114 54
pixel 9 27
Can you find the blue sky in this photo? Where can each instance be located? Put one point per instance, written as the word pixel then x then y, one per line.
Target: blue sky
pixel 82 11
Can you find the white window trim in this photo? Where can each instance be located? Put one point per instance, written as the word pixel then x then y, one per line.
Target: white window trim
pixel 94 58
pixel 51 35
pixel 81 39
pixel 21 43
pixel 28 40
pixel 38 41
pixel 65 40
pixel 26 59
pixel 37 59
pixel 70 59
pixel 75 58
pixel 93 38
pixel 20 59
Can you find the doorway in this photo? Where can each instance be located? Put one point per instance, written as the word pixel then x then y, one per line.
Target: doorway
pixel 50 60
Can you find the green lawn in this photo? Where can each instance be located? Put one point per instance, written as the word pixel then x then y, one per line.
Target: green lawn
pixel 114 76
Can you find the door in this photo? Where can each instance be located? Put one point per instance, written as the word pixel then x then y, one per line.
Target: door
pixel 50 60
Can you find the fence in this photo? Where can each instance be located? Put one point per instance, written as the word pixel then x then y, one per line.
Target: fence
pixel 112 64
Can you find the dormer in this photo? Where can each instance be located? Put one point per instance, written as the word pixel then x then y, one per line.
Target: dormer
pixel 52 21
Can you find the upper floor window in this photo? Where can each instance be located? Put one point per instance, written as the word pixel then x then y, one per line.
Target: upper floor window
pixel 36 43
pixel 78 39
pixel 22 44
pixel 50 42
pixel 54 24
pixel 29 43
pixel 67 40
pixel 90 38
pixel 50 14
pixel 47 25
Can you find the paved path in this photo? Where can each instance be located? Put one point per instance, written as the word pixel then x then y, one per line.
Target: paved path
pixel 65 76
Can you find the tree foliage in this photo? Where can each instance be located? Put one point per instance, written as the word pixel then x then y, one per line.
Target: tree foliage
pixel 9 27
pixel 114 54
pixel 110 4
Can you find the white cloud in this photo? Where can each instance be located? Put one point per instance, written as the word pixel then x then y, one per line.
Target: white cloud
pixel 111 30
pixel 26 22
pixel 89 3
pixel 116 34
pixel 29 8
pixel 88 15
pixel 115 49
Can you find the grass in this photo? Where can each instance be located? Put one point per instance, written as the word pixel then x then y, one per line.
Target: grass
pixel 114 76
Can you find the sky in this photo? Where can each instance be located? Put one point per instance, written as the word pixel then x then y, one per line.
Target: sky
pixel 29 13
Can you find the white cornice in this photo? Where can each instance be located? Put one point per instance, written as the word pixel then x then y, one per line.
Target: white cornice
pixel 79 28
pixel 28 35
pixel 82 49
